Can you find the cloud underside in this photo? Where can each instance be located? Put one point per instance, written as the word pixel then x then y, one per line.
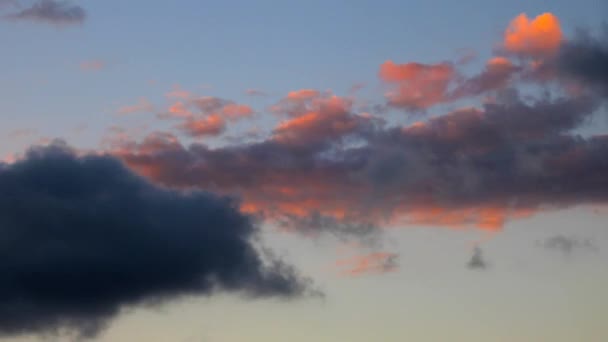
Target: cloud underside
pixel 83 237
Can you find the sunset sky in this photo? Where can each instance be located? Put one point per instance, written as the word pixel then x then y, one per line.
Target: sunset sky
pixel 226 171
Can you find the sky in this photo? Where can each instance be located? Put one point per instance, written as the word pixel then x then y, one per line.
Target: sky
pixel 331 171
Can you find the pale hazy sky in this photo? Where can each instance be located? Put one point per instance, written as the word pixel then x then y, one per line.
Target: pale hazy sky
pixel 103 75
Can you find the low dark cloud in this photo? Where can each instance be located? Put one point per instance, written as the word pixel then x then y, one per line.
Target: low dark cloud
pixel 84 238
pixel 53 12
pixel 477 261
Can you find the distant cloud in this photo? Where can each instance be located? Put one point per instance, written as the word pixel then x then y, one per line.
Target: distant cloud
pixel 93 65
pixel 566 244
pixel 372 263
pixel 87 238
pixel 52 12
pixel 142 106
pixel 477 261
pixel 22 133
pixel 8 3
pixel 255 92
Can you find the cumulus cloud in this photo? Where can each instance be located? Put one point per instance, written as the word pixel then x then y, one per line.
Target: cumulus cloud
pixel 533 37
pixel 52 12
pixel 84 238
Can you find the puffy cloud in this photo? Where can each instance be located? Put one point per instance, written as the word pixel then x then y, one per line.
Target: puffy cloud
pixel 84 238
pixel 538 37
pixel 53 12
pixel 418 86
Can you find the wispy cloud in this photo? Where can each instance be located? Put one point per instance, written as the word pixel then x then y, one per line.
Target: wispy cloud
pixel 142 106
pixel 93 65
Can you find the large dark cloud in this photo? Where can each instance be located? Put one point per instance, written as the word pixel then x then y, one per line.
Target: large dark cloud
pixel 53 12
pixel 83 238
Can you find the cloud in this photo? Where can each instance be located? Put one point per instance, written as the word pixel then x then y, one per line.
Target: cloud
pixel 477 261
pixel 142 106
pixel 84 238
pixel 373 263
pixel 211 125
pixel 52 12
pixel 536 38
pixel 418 86
pixel 255 92
pixel 204 115
pixel 471 167
pixel 496 75
pixel 331 165
pixel 566 244
pixel 327 118
pixel 8 3
pixel 585 60
pixel 93 65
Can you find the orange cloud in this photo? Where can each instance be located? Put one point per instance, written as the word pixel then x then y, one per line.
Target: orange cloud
pixel 419 86
pixel 373 263
pixel 538 37
pixel 93 65
pixel 207 126
pixel 142 105
pixel 236 111
pixel 325 118
pixel 302 94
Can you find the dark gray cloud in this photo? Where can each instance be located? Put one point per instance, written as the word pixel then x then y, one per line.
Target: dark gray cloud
pixel 477 261
pixel 83 238
pixel 566 244
pixel 585 58
pixel 53 12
